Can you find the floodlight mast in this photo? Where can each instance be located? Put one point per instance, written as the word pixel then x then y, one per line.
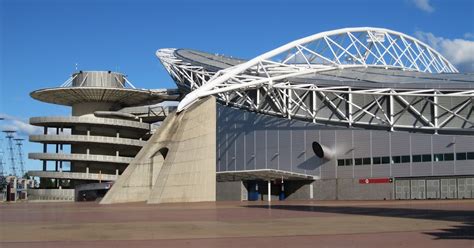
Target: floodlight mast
pixel 20 159
pixel 10 134
pixel 2 172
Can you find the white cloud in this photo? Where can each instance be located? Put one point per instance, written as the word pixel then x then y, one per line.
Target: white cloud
pixel 16 124
pixel 469 36
pixel 460 52
pixel 424 5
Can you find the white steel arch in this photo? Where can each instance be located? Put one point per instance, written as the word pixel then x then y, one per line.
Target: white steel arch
pixel 267 78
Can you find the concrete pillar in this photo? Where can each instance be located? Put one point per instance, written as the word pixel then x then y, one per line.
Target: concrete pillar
pixel 87 151
pixel 14 190
pixel 118 134
pixel 45 149
pixel 116 172
pixel 311 191
pixel 117 153
pixel 269 194
pixel 88 131
pixel 87 171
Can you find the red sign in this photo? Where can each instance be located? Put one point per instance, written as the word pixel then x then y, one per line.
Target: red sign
pixel 375 180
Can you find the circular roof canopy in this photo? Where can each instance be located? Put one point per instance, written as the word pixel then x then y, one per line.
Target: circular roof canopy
pixel 123 96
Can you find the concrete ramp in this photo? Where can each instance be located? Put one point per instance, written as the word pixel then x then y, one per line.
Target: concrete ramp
pixel 178 163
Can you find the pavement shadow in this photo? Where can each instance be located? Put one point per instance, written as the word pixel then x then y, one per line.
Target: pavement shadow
pixel 465 229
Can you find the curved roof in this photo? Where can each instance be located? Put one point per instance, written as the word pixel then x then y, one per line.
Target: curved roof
pixel 353 72
pixel 342 48
pixel 123 96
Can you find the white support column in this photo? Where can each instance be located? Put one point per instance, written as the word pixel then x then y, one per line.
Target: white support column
pixel 435 113
pixel 349 101
pixel 269 194
pixel 311 191
pixel 391 112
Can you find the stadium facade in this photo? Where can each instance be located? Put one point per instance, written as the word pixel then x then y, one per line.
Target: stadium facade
pixel 355 113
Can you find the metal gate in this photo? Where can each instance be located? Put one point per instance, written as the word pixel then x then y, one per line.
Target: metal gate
pixel 432 189
pixel 465 188
pixel 402 189
pixel 448 188
pixel 417 189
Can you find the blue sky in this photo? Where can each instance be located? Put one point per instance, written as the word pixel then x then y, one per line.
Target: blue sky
pixel 42 40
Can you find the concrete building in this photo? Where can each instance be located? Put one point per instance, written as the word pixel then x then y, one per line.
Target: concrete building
pixel 110 122
pixel 356 113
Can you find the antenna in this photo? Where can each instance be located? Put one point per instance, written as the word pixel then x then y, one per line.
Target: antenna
pixel 76 66
pixel 21 161
pixel 10 134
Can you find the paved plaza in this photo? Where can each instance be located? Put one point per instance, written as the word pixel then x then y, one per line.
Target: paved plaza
pixel 240 224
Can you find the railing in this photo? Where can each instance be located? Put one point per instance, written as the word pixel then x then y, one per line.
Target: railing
pixel 88 120
pixel 86 139
pixel 73 175
pixel 80 157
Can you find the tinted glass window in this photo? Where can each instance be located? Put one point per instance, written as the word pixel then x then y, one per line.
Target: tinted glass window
pixel 426 157
pixel 405 159
pixel 366 160
pixel 470 155
pixel 448 157
pixel 396 159
pixel 348 162
pixel 416 158
pixel 340 162
pixel 377 160
pixel 385 160
pixel 461 156
pixel 438 157
pixel 358 161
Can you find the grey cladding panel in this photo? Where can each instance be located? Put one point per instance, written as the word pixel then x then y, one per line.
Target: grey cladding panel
pixel 343 142
pixel 361 144
pixel 421 144
pixel 261 154
pixel 380 143
pixel 272 149
pixel 400 143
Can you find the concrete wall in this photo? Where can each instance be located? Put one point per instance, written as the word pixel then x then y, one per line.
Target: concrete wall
pixel 187 172
pixel 229 191
pixel 51 194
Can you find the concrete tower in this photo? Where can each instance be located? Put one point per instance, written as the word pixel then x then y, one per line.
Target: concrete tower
pixel 104 133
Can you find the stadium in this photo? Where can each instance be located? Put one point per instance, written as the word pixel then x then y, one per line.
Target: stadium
pixel 349 114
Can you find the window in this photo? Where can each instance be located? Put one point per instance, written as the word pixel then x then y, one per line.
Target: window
pixel 470 155
pixel 416 158
pixel 348 162
pixel 461 156
pixel 377 160
pixel 426 157
pixel 438 157
pixel 385 160
pixel 448 157
pixel 405 159
pixel 340 162
pixel 396 159
pixel 358 161
pixel 366 160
